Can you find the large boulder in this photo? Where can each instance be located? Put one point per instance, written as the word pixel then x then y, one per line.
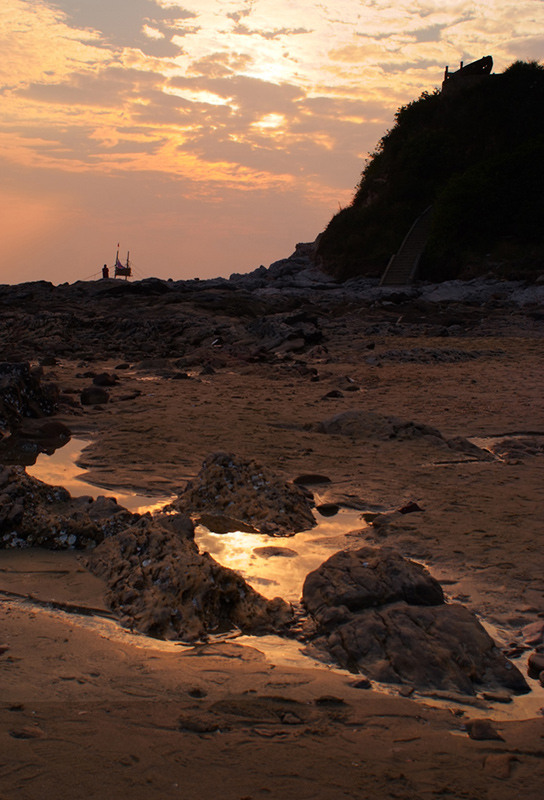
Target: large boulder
pixel 94 396
pixel 367 578
pixel 35 437
pixel 161 585
pixel 385 616
pixel 230 486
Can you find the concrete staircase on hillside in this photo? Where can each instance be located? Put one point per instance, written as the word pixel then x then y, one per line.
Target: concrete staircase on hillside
pixel 402 267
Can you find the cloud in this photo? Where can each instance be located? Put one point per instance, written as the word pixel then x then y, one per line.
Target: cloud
pixel 273 33
pixel 530 48
pixel 104 89
pixel 431 34
pixel 220 65
pixel 241 13
pixel 249 95
pixel 152 33
pixel 120 22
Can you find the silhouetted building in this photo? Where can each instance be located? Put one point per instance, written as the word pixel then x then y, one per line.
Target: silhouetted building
pixel 467 75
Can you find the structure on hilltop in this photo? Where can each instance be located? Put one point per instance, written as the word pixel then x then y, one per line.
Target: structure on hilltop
pixel 469 74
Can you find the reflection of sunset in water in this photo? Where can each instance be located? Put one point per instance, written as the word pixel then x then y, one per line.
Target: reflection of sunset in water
pixel 60 469
pixel 277 566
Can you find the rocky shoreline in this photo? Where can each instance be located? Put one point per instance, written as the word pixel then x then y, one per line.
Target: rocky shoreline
pixel 255 400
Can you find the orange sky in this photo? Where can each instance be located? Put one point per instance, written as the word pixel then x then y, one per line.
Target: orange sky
pixel 209 136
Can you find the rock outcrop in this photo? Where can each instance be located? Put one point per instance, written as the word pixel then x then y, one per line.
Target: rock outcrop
pixel 162 586
pixel 233 487
pixel 382 615
pixel 362 424
pixel 34 514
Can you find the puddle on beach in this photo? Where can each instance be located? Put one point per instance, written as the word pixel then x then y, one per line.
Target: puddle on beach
pixel 60 469
pixel 274 567
pixel 277 566
pixel 278 569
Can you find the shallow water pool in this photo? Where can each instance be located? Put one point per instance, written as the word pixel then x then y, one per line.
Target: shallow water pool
pixel 61 469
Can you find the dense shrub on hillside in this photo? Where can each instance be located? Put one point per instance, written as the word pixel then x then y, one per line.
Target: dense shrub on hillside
pixel 475 153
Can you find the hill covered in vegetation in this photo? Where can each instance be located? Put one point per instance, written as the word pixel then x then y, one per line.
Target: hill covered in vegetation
pixel 475 152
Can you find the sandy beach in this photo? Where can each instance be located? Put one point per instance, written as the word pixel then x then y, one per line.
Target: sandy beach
pixel 91 709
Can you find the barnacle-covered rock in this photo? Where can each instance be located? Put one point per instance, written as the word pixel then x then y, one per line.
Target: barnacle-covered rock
pixel 34 514
pixel 230 486
pixel 161 585
pixel 22 395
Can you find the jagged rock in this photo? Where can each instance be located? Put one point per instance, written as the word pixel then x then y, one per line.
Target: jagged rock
pixel 516 447
pixel 89 320
pixel 385 616
pixel 230 486
pixel 461 445
pixel 410 508
pixel 161 585
pixel 536 663
pixel 482 730
pixel 22 395
pixel 19 451
pixel 370 425
pixel 33 514
pixel 533 634
pixel 223 524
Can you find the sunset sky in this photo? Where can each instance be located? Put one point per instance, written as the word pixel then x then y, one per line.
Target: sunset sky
pixel 210 136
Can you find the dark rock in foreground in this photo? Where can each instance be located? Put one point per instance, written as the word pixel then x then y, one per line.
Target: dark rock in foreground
pixel 245 490
pixel 33 514
pixel 36 437
pixel 93 396
pixel 385 616
pixel 161 585
pixel 367 578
